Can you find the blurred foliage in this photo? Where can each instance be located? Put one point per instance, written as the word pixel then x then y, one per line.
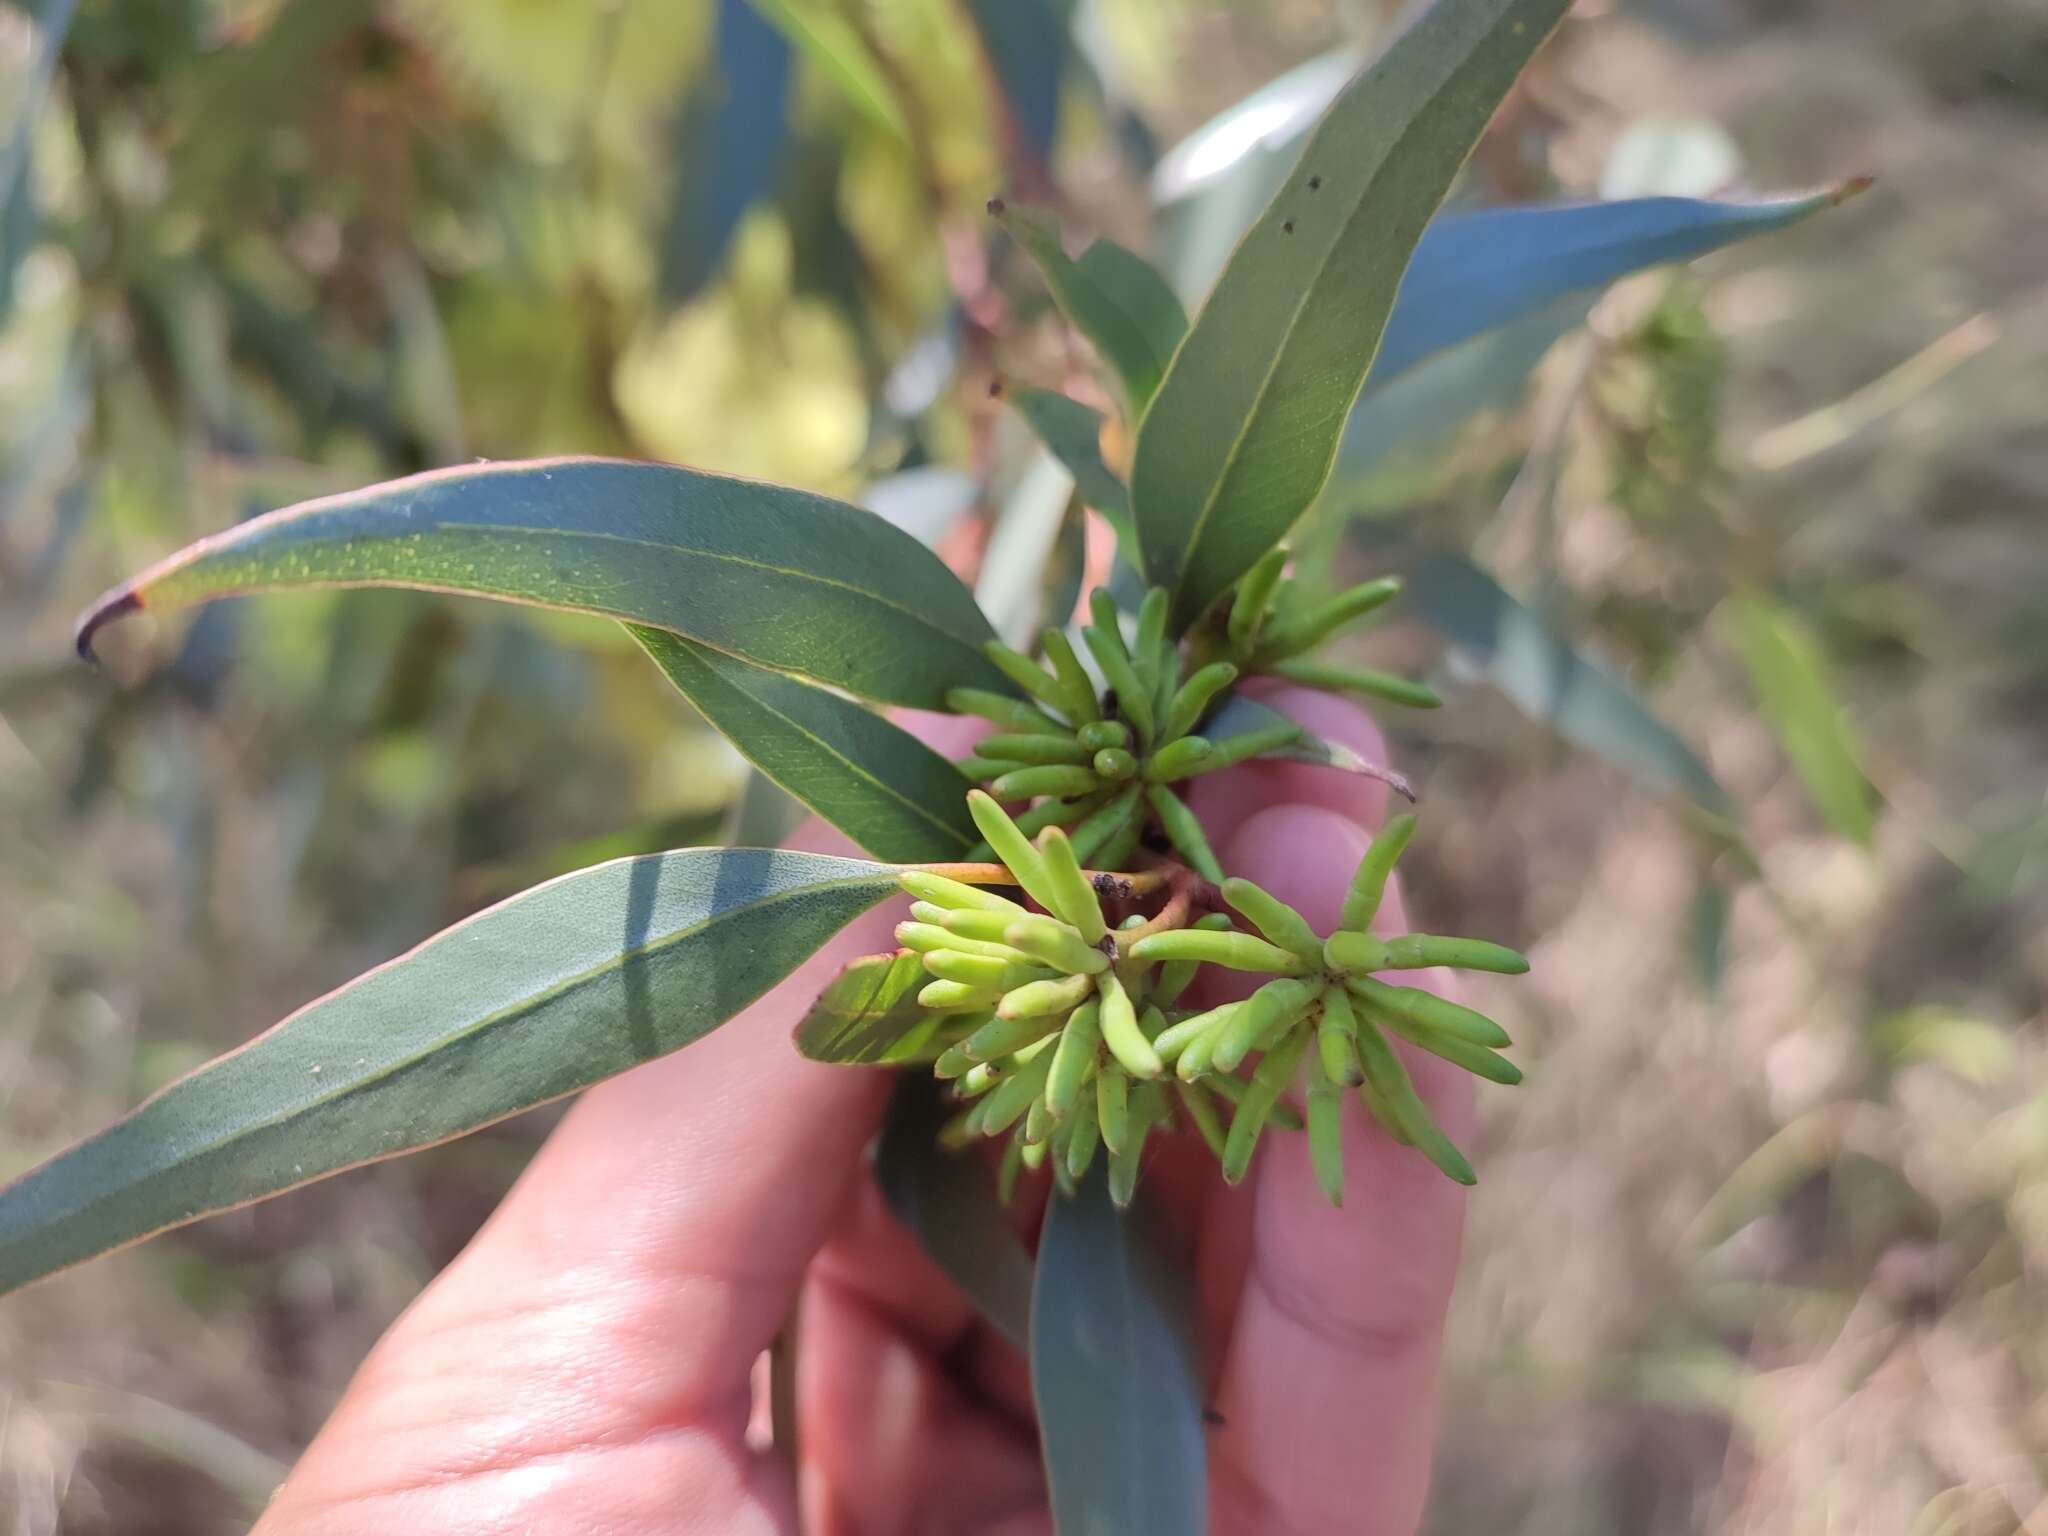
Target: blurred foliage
pixel 1757 1254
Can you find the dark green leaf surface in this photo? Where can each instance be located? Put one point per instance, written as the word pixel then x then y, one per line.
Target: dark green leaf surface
pixel 780 577
pixel 1550 681
pixel 1791 680
pixel 1245 426
pixel 1073 432
pixel 1114 1373
pixel 1114 298
pixel 948 1200
pixel 870 1017
pixel 530 1000
pixel 874 781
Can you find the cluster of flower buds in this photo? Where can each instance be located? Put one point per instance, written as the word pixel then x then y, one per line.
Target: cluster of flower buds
pixel 1065 1032
pixel 1104 766
pixel 1265 633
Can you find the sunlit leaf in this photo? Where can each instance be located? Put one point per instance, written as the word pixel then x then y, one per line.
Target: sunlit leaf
pixel 532 999
pixel 1518 653
pixel 874 781
pixel 1244 430
pixel 780 577
pixel 1115 1374
pixel 1790 676
pixel 948 1200
pixel 1114 298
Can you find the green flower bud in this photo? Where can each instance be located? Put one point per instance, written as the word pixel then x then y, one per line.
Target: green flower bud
pixel 1038 998
pixel 1056 945
pixel 1369 882
pixel 1268 1011
pixel 1237 1090
pixel 1001 708
pixel 1074 895
pixel 1021 749
pixel 1120 1032
pixel 956 997
pixel 1038 1122
pixel 1274 918
pixel 1394 1094
pixel 1359 952
pixel 1150 647
pixel 1337 1039
pixel 1238 749
pixel 1000 1037
pixel 1083 1139
pixel 1201 1111
pixel 1117 848
pixel 1012 1167
pixel 1112 1105
pixel 1195 1053
pixel 1013 1096
pixel 1077 689
pixel 1192 699
pixel 1177 1037
pixel 982 970
pixel 1414 951
pixel 1011 846
pixel 1184 832
pixel 1300 631
pixel 1104 734
pixel 1274 1076
pixel 981 769
pixel 1180 759
pixel 1235 951
pixel 1052 779
pixel 1425 1010
pixel 1147 1105
pixel 926 937
pixel 953 1062
pixel 1376 685
pixel 942 892
pixel 1254 592
pixel 1326 1139
pixel 1026 674
pixel 1115 764
pixel 1095 833
pixel 1073 1059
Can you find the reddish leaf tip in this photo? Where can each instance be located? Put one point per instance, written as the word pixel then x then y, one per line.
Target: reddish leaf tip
pixel 115 605
pixel 1855 186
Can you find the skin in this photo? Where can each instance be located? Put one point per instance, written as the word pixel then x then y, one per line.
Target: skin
pixel 588 1363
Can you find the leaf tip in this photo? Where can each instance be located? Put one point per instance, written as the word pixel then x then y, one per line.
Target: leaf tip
pixel 1855 186
pixel 997 207
pixel 116 604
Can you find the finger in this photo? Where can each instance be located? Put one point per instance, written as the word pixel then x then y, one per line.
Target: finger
pixel 1328 1382
pixel 587 1358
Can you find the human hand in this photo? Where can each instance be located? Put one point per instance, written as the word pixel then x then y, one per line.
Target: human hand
pixel 587 1364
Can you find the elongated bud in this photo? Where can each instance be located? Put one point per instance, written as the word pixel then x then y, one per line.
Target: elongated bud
pixel 971 923
pixel 1016 747
pixel 982 970
pixel 981 769
pixel 1425 1010
pixel 1104 734
pixel 957 997
pixel 926 937
pixel 1117 848
pixel 1176 1037
pixel 1395 1093
pixel 1369 882
pixel 1414 951
pixel 1302 630
pixel 1095 831
pixel 1010 1170
pixel 1038 998
pixel 1201 1112
pixel 1274 918
pixel 1180 759
pixel 1147 1104
pixel 1001 708
pixel 1374 685
pixel 1274 1076
pixel 1356 952
pixel 1326 1139
pixel 1038 1124
pixel 1184 832
pixel 1077 689
pixel 1013 1096
pixel 1266 1012
pixel 1236 951
pixel 1084 1138
pixel 1112 1104
pixel 1011 846
pixel 999 1037
pixel 1026 673
pixel 1075 898
pixel 1476 1059
pixel 1051 779
pixel 953 1062
pixel 1254 592
pixel 1192 699
pixel 1120 1031
pixel 1176 976
pixel 1132 696
pixel 1114 764
pixel 1381 1111
pixel 1073 1059
pixel 1337 1039
pixel 942 892
pixel 1196 1055
pixel 1233 750
pixel 1056 945
pixel 1151 637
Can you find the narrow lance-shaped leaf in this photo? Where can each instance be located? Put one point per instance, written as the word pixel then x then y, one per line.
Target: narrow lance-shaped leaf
pixel 869 1015
pixel 1790 676
pixel 1115 298
pixel 830 40
pixel 1114 1373
pixel 1073 432
pixel 529 1000
pixel 780 577
pixel 877 783
pixel 1245 426
pixel 1550 681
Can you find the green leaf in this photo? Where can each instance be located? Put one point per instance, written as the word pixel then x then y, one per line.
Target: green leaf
pixel 1550 681
pixel 532 999
pixel 779 577
pixel 831 42
pixel 870 1016
pixel 1790 676
pixel 1073 433
pixel 1245 426
pixel 1113 297
pixel 1115 1373
pixel 949 1203
pixel 872 780
pixel 1241 715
